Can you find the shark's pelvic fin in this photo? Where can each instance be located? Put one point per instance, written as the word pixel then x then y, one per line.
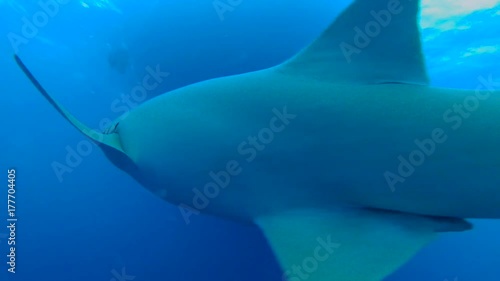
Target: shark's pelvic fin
pixel 368 245
pixel 111 140
pixel 372 41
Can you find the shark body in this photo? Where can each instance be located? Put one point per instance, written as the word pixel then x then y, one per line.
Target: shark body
pixel 343 146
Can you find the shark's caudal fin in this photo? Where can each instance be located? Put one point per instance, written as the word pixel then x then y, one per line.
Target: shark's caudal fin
pixel 350 245
pixel 372 41
pixel 111 140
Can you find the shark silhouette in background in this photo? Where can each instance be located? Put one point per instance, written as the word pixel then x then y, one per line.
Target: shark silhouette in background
pixel 119 57
pixel 356 161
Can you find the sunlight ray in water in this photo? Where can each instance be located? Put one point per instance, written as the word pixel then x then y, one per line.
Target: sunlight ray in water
pixel 103 4
pixel 447 14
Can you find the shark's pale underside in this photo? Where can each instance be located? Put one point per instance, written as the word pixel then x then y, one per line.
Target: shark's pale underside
pixel 325 190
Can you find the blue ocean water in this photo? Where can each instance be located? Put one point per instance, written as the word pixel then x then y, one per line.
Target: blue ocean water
pixel 93 222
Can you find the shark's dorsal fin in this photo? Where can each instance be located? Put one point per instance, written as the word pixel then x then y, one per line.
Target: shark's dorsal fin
pixel 372 41
pixel 111 140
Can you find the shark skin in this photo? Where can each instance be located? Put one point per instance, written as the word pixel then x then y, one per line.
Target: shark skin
pixel 338 155
pixel 355 152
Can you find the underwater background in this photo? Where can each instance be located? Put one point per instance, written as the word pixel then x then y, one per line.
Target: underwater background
pixel 90 221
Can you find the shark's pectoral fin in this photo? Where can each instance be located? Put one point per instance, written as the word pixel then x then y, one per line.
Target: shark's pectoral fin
pixel 110 140
pixel 349 245
pixel 372 41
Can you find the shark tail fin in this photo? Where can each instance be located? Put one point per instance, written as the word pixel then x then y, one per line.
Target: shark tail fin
pixel 111 140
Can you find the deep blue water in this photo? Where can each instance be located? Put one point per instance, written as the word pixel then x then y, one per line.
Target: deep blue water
pixel 97 221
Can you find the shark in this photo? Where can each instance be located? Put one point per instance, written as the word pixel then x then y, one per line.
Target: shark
pixel 344 155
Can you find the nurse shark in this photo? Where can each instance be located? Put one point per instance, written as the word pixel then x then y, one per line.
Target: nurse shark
pixel 344 155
